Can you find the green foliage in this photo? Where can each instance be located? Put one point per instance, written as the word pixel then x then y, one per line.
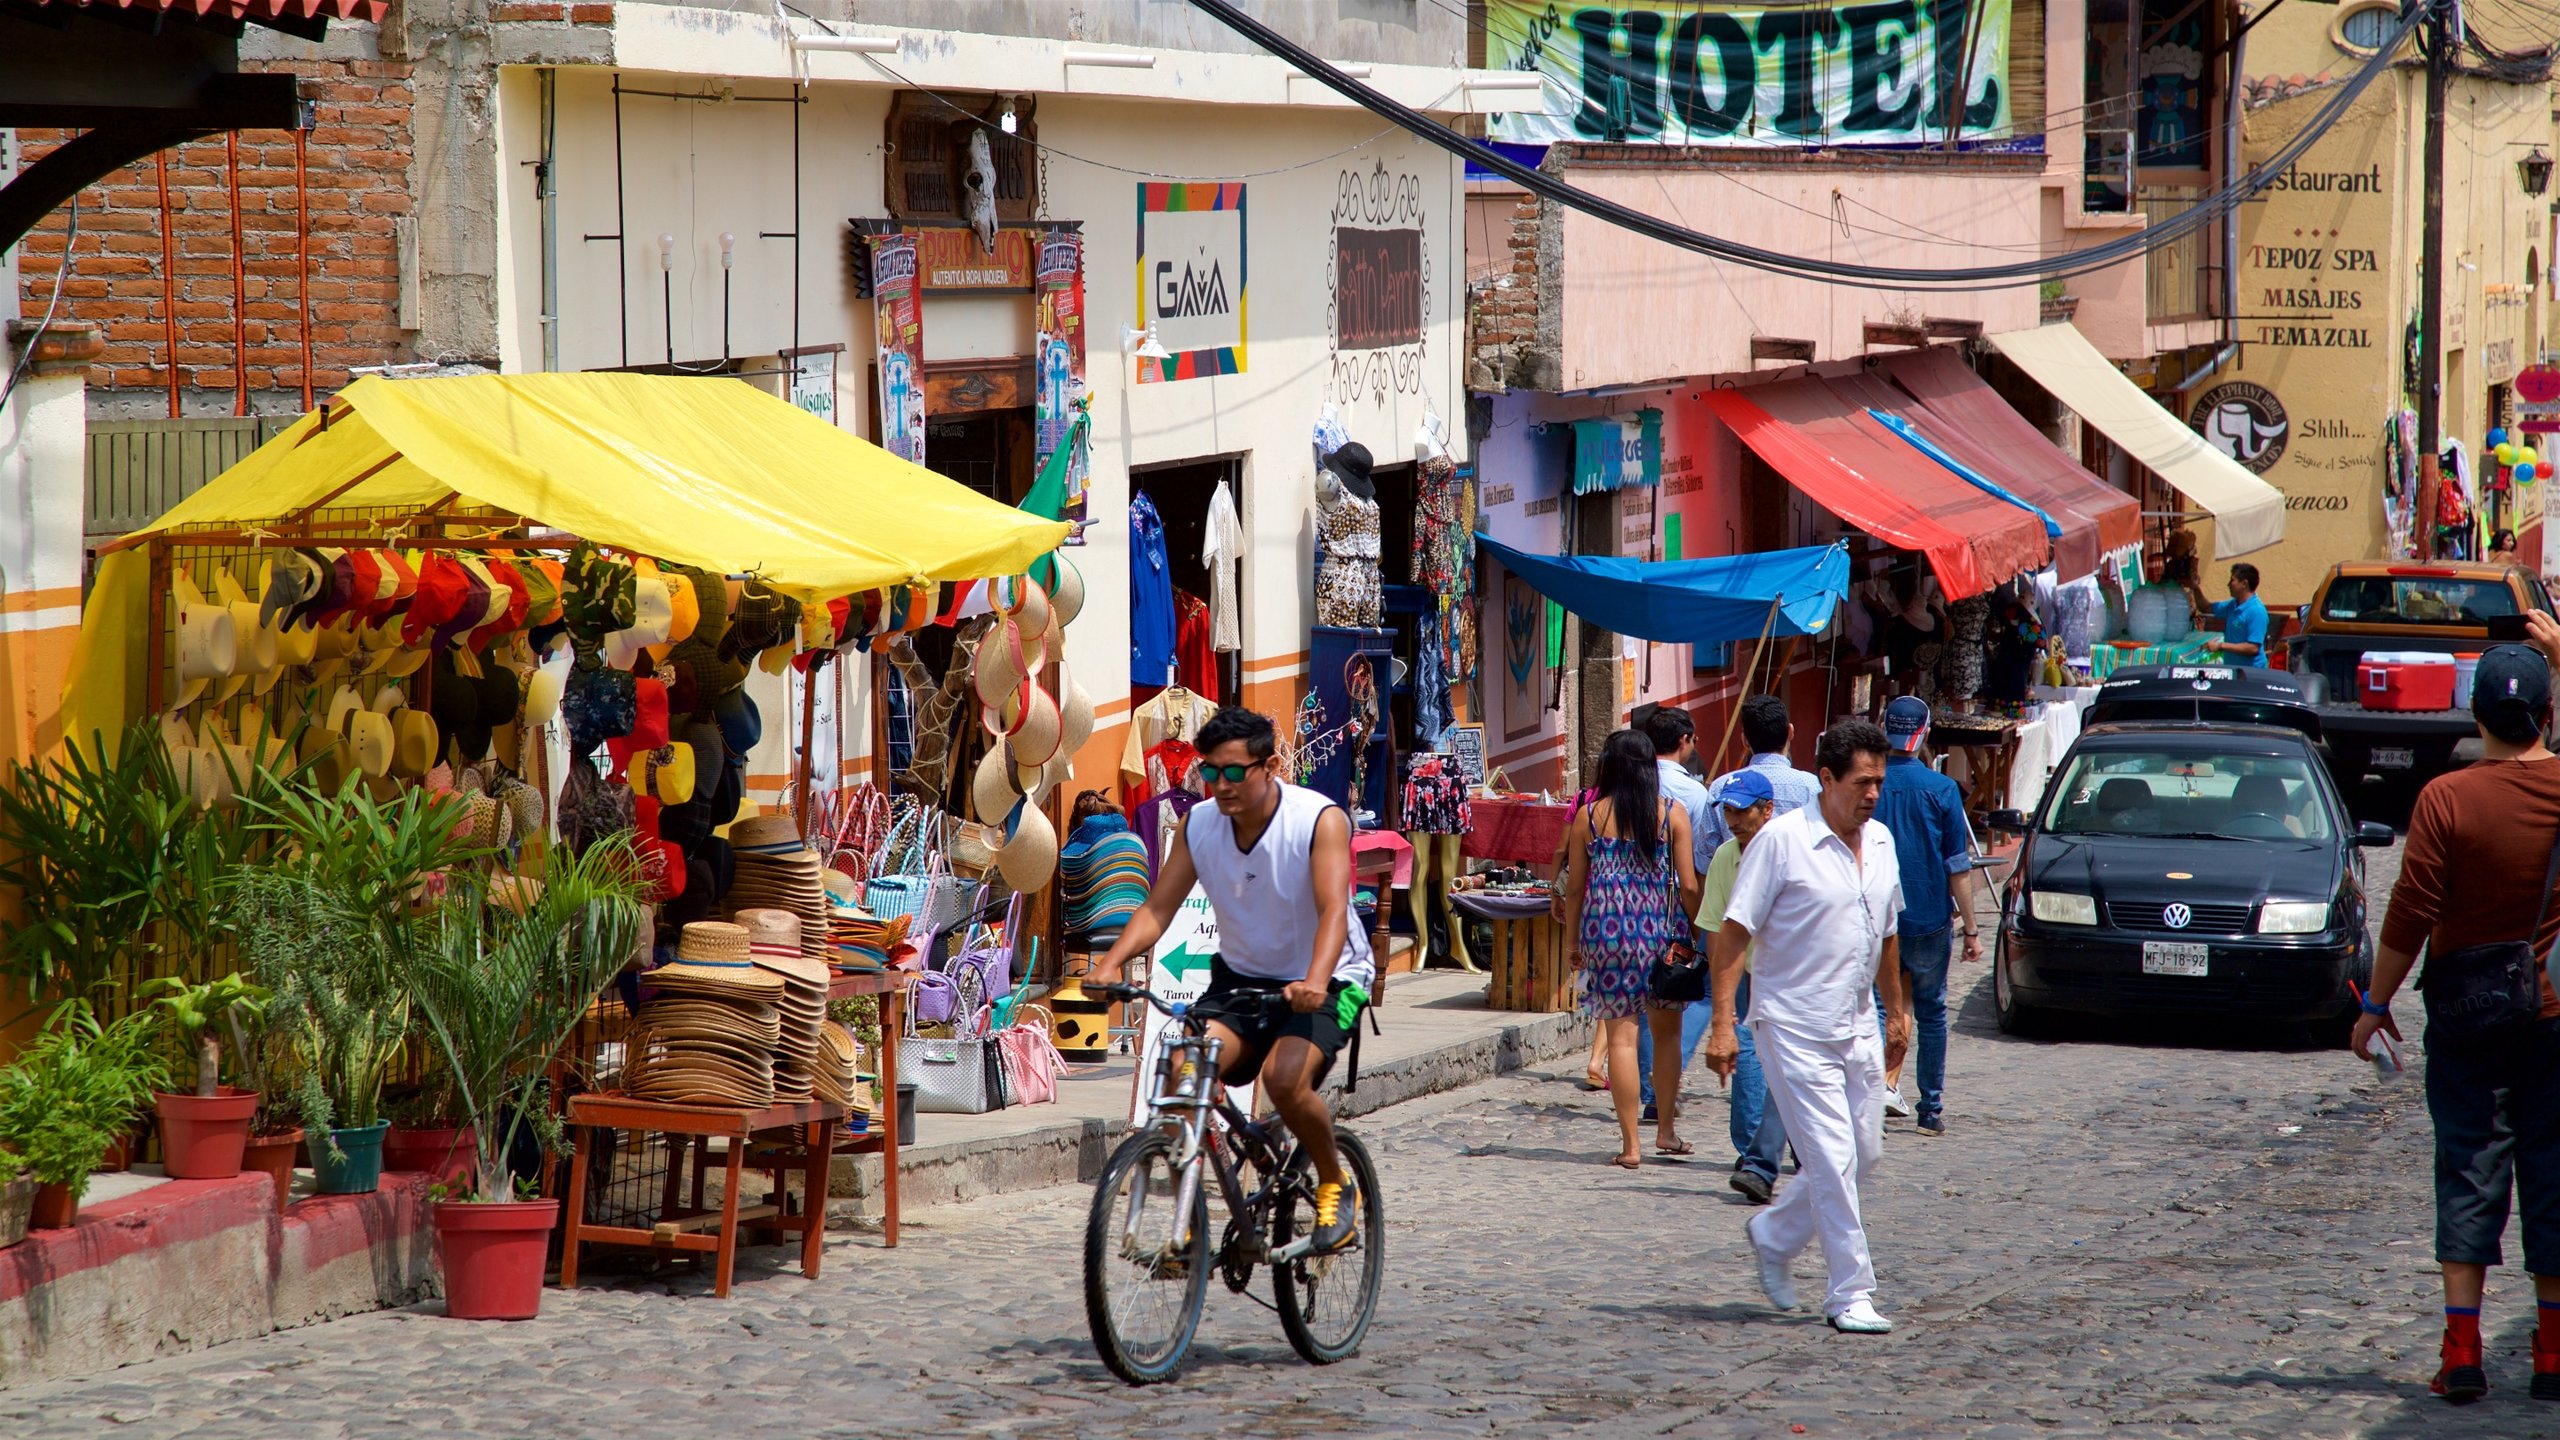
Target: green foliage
pixel 193 1015
pixel 860 1014
pixel 91 844
pixel 502 971
pixel 75 1088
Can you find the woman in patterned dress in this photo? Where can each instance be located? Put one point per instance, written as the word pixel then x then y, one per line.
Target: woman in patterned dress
pixel 1630 885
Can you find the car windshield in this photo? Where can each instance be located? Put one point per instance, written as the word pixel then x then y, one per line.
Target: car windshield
pixel 2184 794
pixel 2415 600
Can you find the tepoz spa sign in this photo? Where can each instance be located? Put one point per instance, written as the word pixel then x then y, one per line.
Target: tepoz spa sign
pixel 1678 73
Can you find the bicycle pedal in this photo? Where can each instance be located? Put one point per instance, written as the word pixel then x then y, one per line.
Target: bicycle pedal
pixel 1297 1249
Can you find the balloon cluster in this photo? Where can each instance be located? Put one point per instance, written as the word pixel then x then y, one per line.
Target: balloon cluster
pixel 1035 734
pixel 2523 463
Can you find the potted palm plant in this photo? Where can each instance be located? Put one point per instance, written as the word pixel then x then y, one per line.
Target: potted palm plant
pixel 429 1134
pixel 72 1090
pixel 320 933
pixel 204 1131
pixel 502 973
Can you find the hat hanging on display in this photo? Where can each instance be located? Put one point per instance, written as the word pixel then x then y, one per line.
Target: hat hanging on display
pixel 599 704
pixel 1030 852
pixel 443 589
pixel 741 725
pixel 652 615
pixel 285 580
pixel 711 605
pixel 1066 590
pixel 1030 719
pixel 370 742
pixel 1075 719
pixel 414 743
pixel 333 647
pixel 598 594
pixel 666 772
pixel 207 637
pixel 648 728
pixel 992 790
pixel 684 612
pixel 543 688
pixel 1004 659
pixel 478 590
pixel 254 656
pixel 1021 599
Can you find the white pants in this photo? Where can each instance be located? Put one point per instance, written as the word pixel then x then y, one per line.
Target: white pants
pixel 1831 1094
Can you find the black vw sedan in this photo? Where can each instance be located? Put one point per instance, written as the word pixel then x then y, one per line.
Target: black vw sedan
pixel 2198 868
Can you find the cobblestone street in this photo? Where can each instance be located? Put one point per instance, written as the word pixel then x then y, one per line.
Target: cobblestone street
pixel 2171 1233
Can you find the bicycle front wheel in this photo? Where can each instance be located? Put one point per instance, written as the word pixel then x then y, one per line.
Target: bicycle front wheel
pixel 1326 1301
pixel 1146 1269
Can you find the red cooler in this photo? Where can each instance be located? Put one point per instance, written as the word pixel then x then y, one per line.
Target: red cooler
pixel 2404 680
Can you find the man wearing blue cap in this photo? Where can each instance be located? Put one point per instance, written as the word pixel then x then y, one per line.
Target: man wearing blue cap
pixel 1925 812
pixel 1744 801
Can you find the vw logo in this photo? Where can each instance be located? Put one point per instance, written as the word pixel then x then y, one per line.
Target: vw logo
pixel 2177 917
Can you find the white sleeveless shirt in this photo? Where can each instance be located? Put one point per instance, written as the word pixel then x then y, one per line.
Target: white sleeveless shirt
pixel 1265 897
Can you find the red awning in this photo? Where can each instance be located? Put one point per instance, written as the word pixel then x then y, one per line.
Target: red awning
pixel 255 11
pixel 1860 471
pixel 2096 518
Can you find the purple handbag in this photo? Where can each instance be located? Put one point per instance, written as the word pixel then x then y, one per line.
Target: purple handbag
pixel 936 999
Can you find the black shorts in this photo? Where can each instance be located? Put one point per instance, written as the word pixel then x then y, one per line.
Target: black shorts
pixel 1233 1001
pixel 2496 1107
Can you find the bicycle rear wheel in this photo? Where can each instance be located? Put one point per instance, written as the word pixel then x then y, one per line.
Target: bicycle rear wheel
pixel 1326 1301
pixel 1146 1270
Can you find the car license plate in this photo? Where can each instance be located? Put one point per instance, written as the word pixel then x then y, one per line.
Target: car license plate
pixel 2173 957
pixel 2393 758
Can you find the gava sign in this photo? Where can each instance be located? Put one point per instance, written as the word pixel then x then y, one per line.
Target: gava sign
pixel 1674 73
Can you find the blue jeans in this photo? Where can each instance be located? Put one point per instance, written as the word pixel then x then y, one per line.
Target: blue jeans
pixel 1924 972
pixel 1759 1133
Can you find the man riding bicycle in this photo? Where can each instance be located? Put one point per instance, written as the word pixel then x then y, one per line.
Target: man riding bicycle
pixel 1275 861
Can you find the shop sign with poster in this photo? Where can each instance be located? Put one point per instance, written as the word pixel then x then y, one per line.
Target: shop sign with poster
pixel 1674 72
pixel 1060 324
pixel 1180 967
pixel 1191 279
pixel 898 320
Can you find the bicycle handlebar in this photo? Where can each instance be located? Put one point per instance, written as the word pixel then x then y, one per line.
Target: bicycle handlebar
pixel 1267 999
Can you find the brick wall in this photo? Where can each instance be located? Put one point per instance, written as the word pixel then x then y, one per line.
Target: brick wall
pixel 358 167
pixel 1512 340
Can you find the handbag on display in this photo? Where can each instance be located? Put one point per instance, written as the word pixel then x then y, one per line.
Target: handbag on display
pixel 1031 1059
pixel 953 1077
pixel 2483 992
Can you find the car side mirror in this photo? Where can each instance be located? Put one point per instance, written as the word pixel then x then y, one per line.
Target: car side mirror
pixel 2015 822
pixel 2374 834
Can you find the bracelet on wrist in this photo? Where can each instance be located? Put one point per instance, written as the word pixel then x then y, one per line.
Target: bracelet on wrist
pixel 2371 1006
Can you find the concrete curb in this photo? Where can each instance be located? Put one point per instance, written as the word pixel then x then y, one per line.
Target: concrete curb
pixel 1072 1152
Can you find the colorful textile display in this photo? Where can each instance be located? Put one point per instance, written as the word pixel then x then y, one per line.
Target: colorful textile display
pixel 1104 877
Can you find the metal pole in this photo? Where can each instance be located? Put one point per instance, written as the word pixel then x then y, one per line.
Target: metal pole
pixel 2439 47
pixel 168 281
pixel 239 285
pixel 302 236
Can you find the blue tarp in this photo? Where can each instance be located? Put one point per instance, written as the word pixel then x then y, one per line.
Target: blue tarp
pixel 1697 602
pixel 1971 476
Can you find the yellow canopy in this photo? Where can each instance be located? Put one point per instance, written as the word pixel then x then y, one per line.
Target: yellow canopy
pixel 706 472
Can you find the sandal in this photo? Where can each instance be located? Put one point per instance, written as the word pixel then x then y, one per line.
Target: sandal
pixel 1676 1147
pixel 1624 1163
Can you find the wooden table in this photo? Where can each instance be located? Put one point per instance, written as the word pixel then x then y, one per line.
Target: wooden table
pixel 1379 867
pixel 681 1229
pixel 1530 969
pixel 891 987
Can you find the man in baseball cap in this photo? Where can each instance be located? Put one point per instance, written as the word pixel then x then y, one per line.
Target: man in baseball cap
pixel 1934 846
pixel 1906 723
pixel 2511 696
pixel 1743 800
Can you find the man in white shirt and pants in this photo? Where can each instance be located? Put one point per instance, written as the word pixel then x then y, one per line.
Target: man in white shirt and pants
pixel 1815 902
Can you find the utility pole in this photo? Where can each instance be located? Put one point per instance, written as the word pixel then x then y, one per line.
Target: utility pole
pixel 2439 45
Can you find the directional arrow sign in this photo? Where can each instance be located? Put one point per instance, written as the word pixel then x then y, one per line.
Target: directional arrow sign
pixel 1181 954
pixel 1183 962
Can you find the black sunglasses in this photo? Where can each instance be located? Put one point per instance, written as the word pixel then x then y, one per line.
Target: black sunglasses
pixel 1232 774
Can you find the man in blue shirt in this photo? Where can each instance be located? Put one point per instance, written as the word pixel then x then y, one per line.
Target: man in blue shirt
pixel 1925 813
pixel 2243 618
pixel 1766 729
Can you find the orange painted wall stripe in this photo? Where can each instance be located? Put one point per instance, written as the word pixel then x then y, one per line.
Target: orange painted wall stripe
pixel 39 599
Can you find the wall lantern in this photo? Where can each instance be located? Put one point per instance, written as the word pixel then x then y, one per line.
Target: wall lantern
pixel 2535 171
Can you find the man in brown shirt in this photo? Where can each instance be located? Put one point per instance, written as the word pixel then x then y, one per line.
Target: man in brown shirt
pixel 2480 842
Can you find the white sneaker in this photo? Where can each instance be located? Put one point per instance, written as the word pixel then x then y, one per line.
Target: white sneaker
pixel 1861 1319
pixel 1896 1106
pixel 1775 1282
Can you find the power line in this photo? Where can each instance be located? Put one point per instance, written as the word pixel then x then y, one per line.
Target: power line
pixel 1982 277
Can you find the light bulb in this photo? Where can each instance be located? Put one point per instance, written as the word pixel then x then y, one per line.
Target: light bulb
pixel 666 252
pixel 1006 120
pixel 728 248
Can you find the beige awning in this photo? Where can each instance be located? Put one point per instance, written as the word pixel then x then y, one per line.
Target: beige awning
pixel 2248 513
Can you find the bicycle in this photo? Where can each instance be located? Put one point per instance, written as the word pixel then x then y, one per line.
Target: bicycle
pixel 1149 1226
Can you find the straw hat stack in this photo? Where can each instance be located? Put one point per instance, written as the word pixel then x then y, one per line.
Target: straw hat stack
pixel 773 939
pixel 709 1037
pixel 839 1080
pixel 786 880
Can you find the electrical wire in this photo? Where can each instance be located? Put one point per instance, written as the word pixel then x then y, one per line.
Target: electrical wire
pixel 2097 257
pixel 61 273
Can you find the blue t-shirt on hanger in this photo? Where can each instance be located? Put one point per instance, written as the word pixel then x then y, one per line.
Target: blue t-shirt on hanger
pixel 1151 623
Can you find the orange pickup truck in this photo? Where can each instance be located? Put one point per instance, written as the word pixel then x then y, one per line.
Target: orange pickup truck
pixel 2449 607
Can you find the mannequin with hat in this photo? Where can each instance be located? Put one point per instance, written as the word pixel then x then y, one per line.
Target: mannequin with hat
pixel 1349 589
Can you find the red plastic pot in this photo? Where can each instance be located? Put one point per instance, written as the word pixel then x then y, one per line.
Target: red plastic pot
pixel 273 1156
pixel 124 1150
pixel 55 1207
pixel 494 1257
pixel 202 1137
pixel 445 1154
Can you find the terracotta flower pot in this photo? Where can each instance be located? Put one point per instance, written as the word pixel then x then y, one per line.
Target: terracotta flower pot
pixel 54 1208
pixel 202 1136
pixel 125 1150
pixel 273 1155
pixel 17 1201
pixel 445 1154
pixel 494 1257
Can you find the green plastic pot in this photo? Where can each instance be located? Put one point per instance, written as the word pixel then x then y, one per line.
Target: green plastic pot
pixel 357 1167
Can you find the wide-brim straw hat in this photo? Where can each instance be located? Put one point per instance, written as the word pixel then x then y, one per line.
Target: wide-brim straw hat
pixel 1066 589
pixel 681 1079
pixel 1030 852
pixel 415 742
pixel 208 640
pixel 1030 719
pixel 1007 655
pixel 686 1018
pixel 771 833
pixel 713 940
pixel 769 928
pixel 992 790
pixel 1021 599
pixel 254 655
pixel 1075 719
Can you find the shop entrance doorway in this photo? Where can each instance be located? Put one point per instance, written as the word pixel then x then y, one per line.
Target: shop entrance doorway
pixel 1181 492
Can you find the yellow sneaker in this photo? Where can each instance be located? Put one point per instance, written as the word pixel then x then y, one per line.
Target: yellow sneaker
pixel 1337 1217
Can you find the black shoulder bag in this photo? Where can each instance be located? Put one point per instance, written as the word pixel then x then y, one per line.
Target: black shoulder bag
pixel 2482 991
pixel 1678 976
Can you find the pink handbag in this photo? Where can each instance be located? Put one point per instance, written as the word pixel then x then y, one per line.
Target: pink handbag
pixel 1032 1063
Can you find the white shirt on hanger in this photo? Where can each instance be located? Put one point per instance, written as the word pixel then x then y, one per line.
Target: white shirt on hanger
pixel 1221 547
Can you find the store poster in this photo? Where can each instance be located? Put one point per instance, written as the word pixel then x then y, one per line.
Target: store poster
pixel 1059 319
pixel 1180 967
pixel 813 384
pixel 898 319
pixel 1678 73
pixel 1191 279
